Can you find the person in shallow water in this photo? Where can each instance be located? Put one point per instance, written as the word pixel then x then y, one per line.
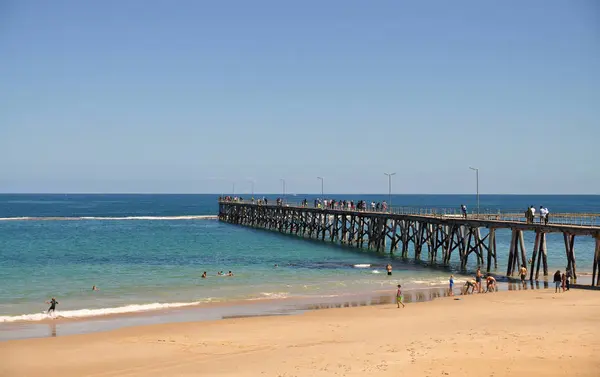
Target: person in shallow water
pixel 204 275
pixel 94 288
pixel 230 273
pixel 389 269
pixel 52 304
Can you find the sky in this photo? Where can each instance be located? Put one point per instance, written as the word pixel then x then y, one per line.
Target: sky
pixel 192 96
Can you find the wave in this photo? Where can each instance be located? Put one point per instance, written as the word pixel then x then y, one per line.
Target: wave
pixel 113 218
pixel 85 313
pixel 365 265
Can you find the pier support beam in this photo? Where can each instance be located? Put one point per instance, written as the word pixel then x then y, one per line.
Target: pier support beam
pixel 596 266
pixel 570 252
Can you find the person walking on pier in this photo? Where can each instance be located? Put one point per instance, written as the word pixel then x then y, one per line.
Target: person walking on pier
pixel 528 218
pixel 543 215
pixel 532 209
pixel 463 209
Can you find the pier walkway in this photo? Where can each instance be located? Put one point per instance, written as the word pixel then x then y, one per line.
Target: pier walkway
pixel 441 232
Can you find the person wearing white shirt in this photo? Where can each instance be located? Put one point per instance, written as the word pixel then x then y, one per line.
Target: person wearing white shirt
pixel 532 214
pixel 543 215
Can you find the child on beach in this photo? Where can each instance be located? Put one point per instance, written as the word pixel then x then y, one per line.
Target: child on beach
pixel 399 297
pixel 451 292
pixel 564 281
pixel 52 304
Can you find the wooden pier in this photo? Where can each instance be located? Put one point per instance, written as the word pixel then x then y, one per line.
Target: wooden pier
pixel 440 234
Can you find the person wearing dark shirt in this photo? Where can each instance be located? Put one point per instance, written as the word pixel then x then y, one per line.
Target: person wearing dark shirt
pixel 557 280
pixel 52 304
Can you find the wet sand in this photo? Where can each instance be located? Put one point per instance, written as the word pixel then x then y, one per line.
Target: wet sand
pixel 527 332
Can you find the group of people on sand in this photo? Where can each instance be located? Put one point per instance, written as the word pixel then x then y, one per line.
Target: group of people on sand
pixel 220 273
pixel 476 284
pixel 562 281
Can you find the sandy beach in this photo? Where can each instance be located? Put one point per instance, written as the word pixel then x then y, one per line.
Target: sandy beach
pixel 532 332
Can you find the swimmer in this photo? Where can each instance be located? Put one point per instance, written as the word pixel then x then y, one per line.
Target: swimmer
pixel 94 288
pixel 230 273
pixel 52 304
pixel 491 284
pixel 275 265
pixel 220 273
pixel 399 296
pixel 469 284
pixel 204 275
pixel 389 269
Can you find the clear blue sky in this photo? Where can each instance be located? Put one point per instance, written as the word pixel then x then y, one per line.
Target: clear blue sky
pixel 189 96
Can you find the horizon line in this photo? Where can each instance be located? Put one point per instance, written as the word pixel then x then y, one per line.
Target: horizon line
pixel 280 194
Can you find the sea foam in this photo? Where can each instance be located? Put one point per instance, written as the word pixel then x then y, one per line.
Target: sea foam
pixel 86 313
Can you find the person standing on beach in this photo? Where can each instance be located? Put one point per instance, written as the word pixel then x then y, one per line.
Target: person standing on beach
pixel 564 281
pixel 389 269
pixel 557 280
pixel 399 297
pixel 451 291
pixel 523 272
pixel 478 277
pixel 52 304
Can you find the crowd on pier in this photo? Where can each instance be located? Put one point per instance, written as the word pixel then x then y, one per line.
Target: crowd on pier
pixel 530 215
pixel 360 205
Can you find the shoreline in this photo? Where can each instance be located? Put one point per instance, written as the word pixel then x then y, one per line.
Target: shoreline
pixel 495 334
pixel 220 310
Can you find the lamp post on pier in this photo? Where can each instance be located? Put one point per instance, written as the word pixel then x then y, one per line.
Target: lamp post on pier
pixel 252 186
pixel 322 179
pixel 283 184
pixel 477 180
pixel 389 175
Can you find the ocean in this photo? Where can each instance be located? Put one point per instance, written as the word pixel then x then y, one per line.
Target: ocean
pixel 148 252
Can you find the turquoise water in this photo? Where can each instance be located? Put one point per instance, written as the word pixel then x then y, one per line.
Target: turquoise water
pixel 157 261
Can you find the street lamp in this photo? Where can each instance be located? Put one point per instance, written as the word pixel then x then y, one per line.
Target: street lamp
pixel 283 183
pixel 252 185
pixel 477 179
pixel 322 179
pixel 390 188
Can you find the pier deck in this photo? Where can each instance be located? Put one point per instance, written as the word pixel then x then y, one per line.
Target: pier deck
pixel 440 232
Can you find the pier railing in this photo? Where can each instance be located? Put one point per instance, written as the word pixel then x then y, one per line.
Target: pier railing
pixel 580 219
